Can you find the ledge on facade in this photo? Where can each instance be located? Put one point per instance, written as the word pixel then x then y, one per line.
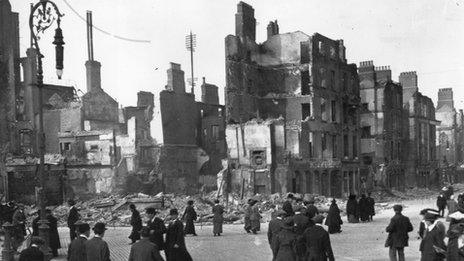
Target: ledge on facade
pixel 50 159
pixel 84 133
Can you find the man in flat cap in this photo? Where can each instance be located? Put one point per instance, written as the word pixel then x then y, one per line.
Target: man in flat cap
pixel 398 230
pixel 144 249
pixel 317 241
pixel 97 248
pixel 77 250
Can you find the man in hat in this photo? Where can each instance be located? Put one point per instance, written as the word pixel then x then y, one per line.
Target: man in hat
pixel 136 223
pixel 218 218
pixel 144 249
pixel 433 240
pixel 175 239
pixel 77 249
pixel 97 249
pixel 282 245
pixel 317 241
pixel 398 230
pixel 302 222
pixel 157 228
pixel 33 252
pixel 288 205
pixel 73 217
pixel 311 210
pixel 422 225
pixel 275 226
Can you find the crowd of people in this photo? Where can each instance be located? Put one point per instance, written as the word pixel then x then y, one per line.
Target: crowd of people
pixel 432 231
pixel 296 233
pixel 362 210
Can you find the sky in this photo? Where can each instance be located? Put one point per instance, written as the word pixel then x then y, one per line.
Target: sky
pixel 140 38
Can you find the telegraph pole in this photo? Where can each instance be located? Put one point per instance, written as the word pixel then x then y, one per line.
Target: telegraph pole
pixel 190 44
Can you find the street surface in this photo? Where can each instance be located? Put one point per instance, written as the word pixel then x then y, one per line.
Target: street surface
pixel 362 241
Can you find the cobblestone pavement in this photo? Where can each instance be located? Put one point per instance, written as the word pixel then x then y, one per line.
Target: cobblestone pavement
pixel 363 241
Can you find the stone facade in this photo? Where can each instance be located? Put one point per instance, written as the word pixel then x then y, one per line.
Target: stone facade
pixel 382 136
pixel 420 125
pixel 304 81
pixel 194 136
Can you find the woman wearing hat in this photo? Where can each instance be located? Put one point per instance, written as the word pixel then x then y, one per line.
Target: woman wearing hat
pixel 247 215
pixel 189 216
pixel 175 239
pixel 333 220
pixel 433 240
pixel 218 219
pixel 284 242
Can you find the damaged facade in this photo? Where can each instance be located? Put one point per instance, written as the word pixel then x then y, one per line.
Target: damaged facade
pixel 292 108
pixel 449 135
pixel 194 136
pixel 420 125
pixel 382 135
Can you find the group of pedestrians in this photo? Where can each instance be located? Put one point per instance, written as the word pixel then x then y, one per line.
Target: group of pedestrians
pixel 362 210
pixel 296 233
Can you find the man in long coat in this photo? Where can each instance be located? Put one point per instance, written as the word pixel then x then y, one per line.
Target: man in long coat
pixel 275 226
pixel 97 249
pixel 317 241
pixel 19 226
pixel 73 217
pixel 247 223
pixel 54 241
pixel 218 219
pixel 189 216
pixel 302 222
pixel 288 205
pixel 333 220
pixel 144 249
pixel 157 228
pixel 136 223
pixel 255 217
pixel 398 230
pixel 77 250
pixel 352 209
pixel 371 206
pixel 364 208
pixel 283 243
pixel 175 240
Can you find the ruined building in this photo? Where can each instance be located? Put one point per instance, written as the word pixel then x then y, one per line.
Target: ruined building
pixel 292 111
pixel 449 132
pixel 193 134
pixel 382 136
pixel 420 126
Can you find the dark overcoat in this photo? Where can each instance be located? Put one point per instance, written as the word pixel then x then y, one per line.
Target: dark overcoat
pixel 275 225
pixel 398 230
pixel 283 245
pixel 31 254
pixel 189 216
pixel 255 218
pixel 352 210
pixel 175 236
pixel 157 229
pixel 77 251
pixel 54 235
pixel 453 250
pixel 334 220
pixel 144 250
pixel 364 209
pixel 288 208
pixel 318 245
pixel 73 217
pixel 136 223
pixel 97 249
pixel 247 217
pixel 371 204
pixel 218 219
pixel 434 237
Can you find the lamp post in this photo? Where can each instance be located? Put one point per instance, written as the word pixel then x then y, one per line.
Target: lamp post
pixel 43 16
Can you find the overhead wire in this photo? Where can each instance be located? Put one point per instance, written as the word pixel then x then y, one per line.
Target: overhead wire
pixel 103 31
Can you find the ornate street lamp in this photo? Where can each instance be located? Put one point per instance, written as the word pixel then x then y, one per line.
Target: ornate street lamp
pixel 43 15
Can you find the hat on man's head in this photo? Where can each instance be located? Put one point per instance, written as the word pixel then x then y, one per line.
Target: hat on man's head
pixel 318 219
pixel 429 210
pixel 82 227
pixel 397 207
pixel 173 211
pixel 37 241
pixel 99 228
pixel 144 232
pixel 430 217
pixel 151 210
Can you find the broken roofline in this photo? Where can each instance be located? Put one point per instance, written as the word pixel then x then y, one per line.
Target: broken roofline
pixel 84 133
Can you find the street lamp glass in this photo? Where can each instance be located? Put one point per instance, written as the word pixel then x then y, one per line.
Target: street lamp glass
pixel 59 73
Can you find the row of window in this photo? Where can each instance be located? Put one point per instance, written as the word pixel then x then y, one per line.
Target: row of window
pixel 329 111
pixel 325 138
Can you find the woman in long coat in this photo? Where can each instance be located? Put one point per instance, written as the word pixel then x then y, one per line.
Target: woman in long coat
pixel 352 209
pixel 189 216
pixel 255 218
pixel 434 237
pixel 333 220
pixel 364 208
pixel 53 232
pixel 248 215
pixel 218 219
pixel 283 244
pixel 136 223
pixel 175 240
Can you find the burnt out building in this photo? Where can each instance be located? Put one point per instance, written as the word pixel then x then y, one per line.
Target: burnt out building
pixel 382 136
pixel 421 164
pixel 292 111
pixel 193 133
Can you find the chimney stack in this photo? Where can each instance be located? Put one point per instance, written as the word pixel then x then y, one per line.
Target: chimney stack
pixel 176 80
pixel 92 67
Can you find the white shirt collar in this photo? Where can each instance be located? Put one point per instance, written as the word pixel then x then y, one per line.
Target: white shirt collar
pixel 431 226
pixel 82 235
pixel 97 236
pixel 317 224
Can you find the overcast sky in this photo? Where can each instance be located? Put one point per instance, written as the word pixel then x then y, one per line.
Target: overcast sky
pixel 426 36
